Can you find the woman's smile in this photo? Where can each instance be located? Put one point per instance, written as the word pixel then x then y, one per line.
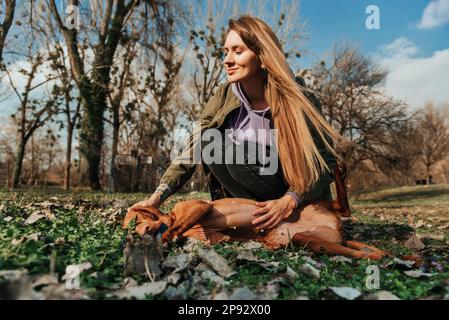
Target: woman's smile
pixel 232 70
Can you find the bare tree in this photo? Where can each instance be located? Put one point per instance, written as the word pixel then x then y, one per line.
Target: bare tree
pixel 93 87
pixel 6 24
pixel 120 87
pixel 31 114
pixel 399 151
pixel 157 93
pixel 434 131
pixel 41 154
pixel 349 90
pixel 7 153
pixel 71 112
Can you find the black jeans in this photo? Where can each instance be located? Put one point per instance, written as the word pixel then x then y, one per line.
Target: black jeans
pixel 249 178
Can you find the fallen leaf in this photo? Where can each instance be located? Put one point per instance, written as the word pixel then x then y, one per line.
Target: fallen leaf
pixel 270 291
pixel 445 226
pixel 202 267
pixel 192 244
pixel 439 237
pixel 139 292
pixel 309 270
pixel 414 243
pixel 291 274
pixel 45 204
pixel 381 295
pixel 310 261
pixel 33 218
pixel 213 277
pixel 173 278
pixel 44 280
pixel 252 245
pixel 341 259
pixel 269 265
pixel 13 275
pixel 246 255
pixel 178 262
pixel 7 219
pixel 243 294
pixel 418 273
pixel 404 263
pixel 129 282
pixel 418 224
pixel 221 296
pixel 60 292
pixel 301 298
pixel 172 293
pixel 33 236
pixel 143 256
pixel 216 262
pixel 346 292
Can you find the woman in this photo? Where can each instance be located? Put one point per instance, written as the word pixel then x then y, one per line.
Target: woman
pixel 261 94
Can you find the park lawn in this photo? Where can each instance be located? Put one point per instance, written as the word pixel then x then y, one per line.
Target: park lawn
pixel 76 227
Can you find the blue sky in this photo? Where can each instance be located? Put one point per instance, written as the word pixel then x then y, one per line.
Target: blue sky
pixel 329 21
pixel 412 42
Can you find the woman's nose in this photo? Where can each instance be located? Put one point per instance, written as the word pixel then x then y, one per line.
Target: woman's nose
pixel 228 60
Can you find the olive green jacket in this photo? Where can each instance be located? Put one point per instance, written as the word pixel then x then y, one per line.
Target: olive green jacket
pixel 213 116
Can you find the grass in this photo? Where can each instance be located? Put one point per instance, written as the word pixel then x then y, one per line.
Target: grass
pixel 86 227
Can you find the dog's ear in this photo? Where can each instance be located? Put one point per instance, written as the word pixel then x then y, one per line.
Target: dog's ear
pixel 148 227
pixel 148 219
pixel 130 216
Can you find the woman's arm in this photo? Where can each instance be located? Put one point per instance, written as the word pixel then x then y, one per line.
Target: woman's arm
pixel 182 168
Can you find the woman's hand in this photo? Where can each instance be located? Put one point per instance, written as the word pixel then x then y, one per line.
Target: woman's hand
pixel 272 212
pixel 153 201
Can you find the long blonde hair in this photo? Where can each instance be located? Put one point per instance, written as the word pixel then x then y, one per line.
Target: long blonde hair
pixel 300 158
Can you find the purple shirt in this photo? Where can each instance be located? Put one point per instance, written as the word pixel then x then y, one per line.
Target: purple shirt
pixel 251 125
pixel 247 124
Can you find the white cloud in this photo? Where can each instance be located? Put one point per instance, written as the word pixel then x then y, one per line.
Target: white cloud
pixel 401 47
pixel 415 79
pixel 435 15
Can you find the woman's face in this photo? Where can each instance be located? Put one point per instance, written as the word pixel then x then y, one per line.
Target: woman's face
pixel 240 62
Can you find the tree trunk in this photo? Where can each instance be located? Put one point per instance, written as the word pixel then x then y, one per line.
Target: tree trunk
pixel 32 174
pixel 68 157
pixel 91 136
pixel 18 165
pixel 115 133
pixel 6 24
pixel 428 173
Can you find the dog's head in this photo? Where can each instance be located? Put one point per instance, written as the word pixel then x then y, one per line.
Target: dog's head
pixel 148 219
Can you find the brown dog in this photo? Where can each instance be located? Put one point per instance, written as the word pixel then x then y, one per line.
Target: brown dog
pixel 316 226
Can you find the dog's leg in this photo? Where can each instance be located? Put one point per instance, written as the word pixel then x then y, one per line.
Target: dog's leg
pixel 185 215
pixel 364 247
pixel 319 245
